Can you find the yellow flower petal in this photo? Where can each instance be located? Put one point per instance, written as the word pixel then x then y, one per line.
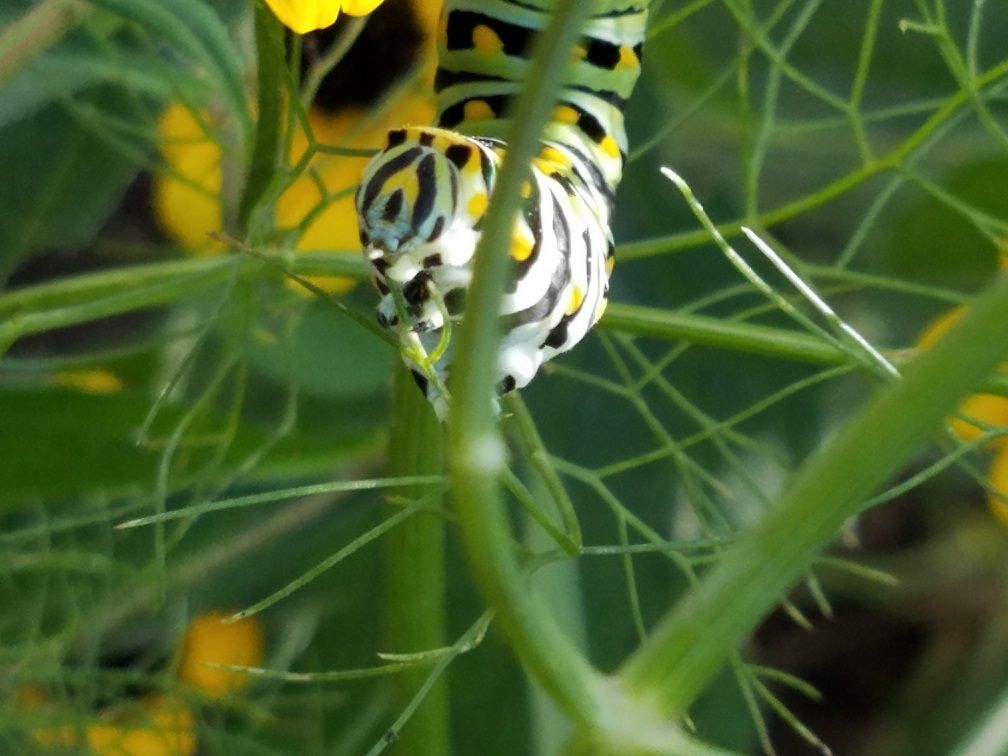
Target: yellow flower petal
pixel 186 198
pixel 988 409
pixel 334 228
pixel 166 729
pixel 95 381
pixel 303 16
pixel 211 640
pixel 363 7
pixel 939 327
pixel 51 737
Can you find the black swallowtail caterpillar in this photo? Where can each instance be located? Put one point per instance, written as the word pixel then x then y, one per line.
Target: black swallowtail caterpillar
pixel 422 200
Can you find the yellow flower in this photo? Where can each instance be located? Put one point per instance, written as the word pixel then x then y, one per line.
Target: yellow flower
pixel 187 199
pixel 317 207
pixel 95 381
pixel 54 736
pixel 303 16
pixel 335 227
pixel 212 640
pixel 938 327
pixel 999 480
pixel 989 410
pixel 164 728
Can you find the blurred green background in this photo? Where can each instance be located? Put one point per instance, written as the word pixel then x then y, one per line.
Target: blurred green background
pixel 872 156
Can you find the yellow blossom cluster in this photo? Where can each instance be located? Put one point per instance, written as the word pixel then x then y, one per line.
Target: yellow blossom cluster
pixel 159 724
pixel 977 416
pixel 319 201
pixel 318 204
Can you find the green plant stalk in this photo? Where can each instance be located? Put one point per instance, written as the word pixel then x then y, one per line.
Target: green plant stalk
pixel 36 31
pixel 721 334
pixel 693 641
pixel 84 298
pixel 266 148
pixel 87 298
pixel 415 568
pixel 476 451
pixel 526 437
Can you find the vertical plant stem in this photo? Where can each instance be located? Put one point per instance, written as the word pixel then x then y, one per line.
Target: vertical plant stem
pixel 694 640
pixel 415 568
pixel 265 149
pixel 476 451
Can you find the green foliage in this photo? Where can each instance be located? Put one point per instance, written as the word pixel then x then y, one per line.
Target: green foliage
pixel 593 573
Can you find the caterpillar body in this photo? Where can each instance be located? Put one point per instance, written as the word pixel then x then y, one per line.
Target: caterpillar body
pixel 422 200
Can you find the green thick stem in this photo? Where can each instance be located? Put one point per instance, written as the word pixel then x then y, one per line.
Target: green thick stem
pixel 694 640
pixel 265 149
pixel 721 334
pixel 415 568
pixel 476 452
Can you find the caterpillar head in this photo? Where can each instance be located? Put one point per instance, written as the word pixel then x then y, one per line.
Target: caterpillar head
pixel 407 195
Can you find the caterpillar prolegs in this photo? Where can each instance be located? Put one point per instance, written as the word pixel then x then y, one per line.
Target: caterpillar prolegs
pixel 421 201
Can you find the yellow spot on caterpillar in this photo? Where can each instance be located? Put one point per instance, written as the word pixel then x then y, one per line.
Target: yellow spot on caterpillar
pixel 485 40
pixel 406 180
pixel 627 58
pixel 554 156
pixel 609 263
pixel 609 147
pixel 521 247
pixel 477 110
pixel 565 114
pixel 576 298
pixel 441 143
pixel 579 53
pixel 543 166
pixel 473 166
pixel 477 206
pixel 526 190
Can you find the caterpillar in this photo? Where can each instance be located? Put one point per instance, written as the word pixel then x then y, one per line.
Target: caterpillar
pixel 421 200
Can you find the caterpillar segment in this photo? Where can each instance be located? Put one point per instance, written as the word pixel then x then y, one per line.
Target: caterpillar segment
pixel 422 200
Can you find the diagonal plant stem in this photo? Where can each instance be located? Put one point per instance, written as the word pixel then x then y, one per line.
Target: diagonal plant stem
pixel 695 639
pixel 36 31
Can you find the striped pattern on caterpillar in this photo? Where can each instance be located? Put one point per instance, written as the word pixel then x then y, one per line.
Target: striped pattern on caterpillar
pixel 422 200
